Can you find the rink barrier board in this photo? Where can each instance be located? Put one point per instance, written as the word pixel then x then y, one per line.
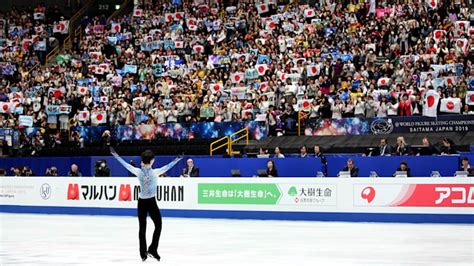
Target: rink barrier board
pixel 255 215
pixel 444 200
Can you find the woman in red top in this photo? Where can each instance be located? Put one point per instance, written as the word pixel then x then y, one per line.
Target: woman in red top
pixel 404 107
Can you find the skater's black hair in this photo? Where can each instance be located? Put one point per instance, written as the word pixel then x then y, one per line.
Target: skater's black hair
pixel 147 156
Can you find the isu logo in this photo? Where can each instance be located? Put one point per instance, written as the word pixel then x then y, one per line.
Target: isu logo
pixel 73 192
pixel 368 194
pixel 125 193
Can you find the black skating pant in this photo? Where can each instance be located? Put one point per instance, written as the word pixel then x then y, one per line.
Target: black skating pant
pixel 148 206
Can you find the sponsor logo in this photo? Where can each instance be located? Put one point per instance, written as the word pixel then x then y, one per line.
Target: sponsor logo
pixel 368 194
pixel 45 191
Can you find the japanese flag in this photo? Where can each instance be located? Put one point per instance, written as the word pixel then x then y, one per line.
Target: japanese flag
pixel 270 25
pixel 93 68
pixel 261 69
pixel 191 21
pixel 262 8
pixel 215 87
pixel 263 86
pixel 237 77
pixel 198 49
pixel 99 70
pixel 433 4
pixel 312 70
pixel 178 15
pixel 99 117
pixel 7 107
pixel 283 77
pixel 179 44
pixel 137 12
pixel 83 116
pixel 104 99
pixel 451 105
pixel 116 28
pixel 309 13
pixel 95 55
pixel 462 25
pixel 430 104
pixel 105 67
pixel 462 45
pixel 39 29
pixel 470 98
pixel 450 80
pixel 62 27
pixel 437 34
pixel 169 17
pixel 304 105
pixel 82 90
pixel 383 82
pixel 192 27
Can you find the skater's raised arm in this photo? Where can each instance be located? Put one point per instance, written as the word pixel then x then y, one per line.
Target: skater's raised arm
pixel 129 167
pixel 164 169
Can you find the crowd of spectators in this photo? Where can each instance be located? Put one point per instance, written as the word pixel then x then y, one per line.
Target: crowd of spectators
pixel 184 62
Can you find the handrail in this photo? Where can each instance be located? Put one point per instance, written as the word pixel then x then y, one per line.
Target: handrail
pixel 52 53
pixel 71 31
pixel 301 117
pixel 232 141
pixel 227 143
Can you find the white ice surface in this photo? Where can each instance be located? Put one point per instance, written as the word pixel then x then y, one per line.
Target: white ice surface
pixel 27 239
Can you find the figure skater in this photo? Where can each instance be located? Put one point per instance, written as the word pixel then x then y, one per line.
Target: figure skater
pixel 146 202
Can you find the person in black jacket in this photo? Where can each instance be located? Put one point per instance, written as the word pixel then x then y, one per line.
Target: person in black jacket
pixel 384 148
pixel 271 169
pixel 466 167
pixel 404 168
pixel 191 170
pixel 448 147
pixel 351 168
pixel 318 153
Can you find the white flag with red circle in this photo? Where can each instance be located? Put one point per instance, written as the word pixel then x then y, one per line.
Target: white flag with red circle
pixel 198 49
pixel 62 27
pixel 304 104
pixel 470 97
pixel 283 77
pixel 116 28
pixel 99 117
pixel 83 116
pixel 178 15
pixel 383 82
pixel 95 55
pixel 237 77
pixel 105 67
pixel 215 87
pixel 191 21
pixel 7 107
pixel 82 90
pixel 270 25
pixel 192 28
pixel 312 70
pixel 169 17
pixel 179 45
pixel 39 29
pixel 462 45
pixel 262 8
pixel 438 34
pixel 104 99
pixel 261 69
pixel 451 105
pixel 433 4
pixel 99 71
pixel 309 13
pixel 93 68
pixel 137 12
pixel 263 86
pixel 430 104
pixel 451 80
